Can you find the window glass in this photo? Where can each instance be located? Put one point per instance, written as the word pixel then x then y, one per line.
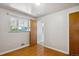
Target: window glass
pixel 13 24
pixel 19 24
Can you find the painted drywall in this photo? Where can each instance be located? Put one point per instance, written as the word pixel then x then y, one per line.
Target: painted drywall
pixel 40 31
pixel 8 40
pixel 57 29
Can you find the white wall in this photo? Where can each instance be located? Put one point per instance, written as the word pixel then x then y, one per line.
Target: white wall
pixel 57 29
pixel 9 41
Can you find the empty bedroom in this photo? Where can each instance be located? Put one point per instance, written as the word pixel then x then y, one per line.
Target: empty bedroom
pixel 39 29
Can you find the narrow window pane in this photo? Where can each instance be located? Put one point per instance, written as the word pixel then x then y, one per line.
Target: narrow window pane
pixel 13 24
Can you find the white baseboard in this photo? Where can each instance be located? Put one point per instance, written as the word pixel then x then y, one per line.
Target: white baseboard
pixel 14 49
pixel 55 49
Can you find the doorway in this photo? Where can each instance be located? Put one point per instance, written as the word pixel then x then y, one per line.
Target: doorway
pixel 40 32
pixel 74 33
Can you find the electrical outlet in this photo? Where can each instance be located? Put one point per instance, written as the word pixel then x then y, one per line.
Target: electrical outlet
pixel 22 44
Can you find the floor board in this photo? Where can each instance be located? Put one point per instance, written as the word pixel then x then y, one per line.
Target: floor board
pixel 36 50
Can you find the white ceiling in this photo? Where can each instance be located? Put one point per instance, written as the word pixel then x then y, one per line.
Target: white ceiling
pixel 39 10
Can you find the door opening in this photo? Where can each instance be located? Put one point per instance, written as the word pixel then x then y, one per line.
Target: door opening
pixel 40 32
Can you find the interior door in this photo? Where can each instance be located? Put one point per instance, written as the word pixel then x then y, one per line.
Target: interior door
pixel 74 33
pixel 40 32
pixel 33 32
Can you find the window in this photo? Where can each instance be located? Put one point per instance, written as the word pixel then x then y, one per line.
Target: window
pixel 19 24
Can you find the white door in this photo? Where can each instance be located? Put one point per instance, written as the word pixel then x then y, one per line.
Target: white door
pixel 40 32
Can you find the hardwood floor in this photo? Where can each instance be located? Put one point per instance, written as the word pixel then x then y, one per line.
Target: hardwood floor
pixel 36 50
